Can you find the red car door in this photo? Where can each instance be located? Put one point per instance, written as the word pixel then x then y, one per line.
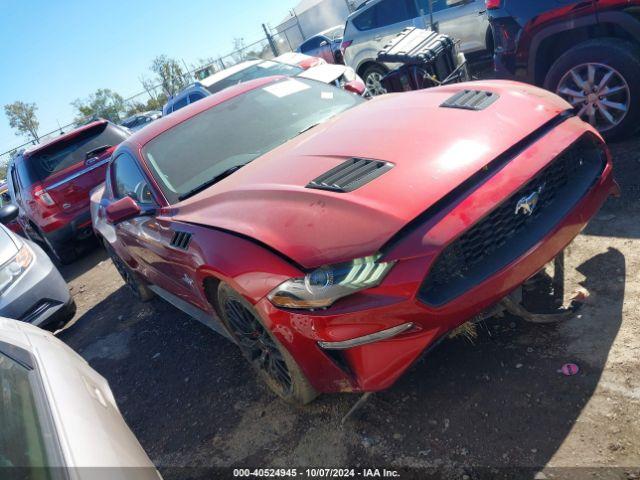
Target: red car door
pixel 145 241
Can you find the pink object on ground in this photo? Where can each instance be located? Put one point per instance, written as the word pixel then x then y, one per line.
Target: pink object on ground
pixel 569 369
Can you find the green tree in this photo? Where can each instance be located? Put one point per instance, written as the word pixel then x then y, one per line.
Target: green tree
pixel 104 103
pixel 3 170
pixel 22 118
pixel 170 74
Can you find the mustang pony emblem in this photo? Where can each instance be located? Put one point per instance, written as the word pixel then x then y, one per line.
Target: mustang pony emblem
pixel 529 203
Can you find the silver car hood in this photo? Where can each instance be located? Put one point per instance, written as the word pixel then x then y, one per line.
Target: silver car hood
pixel 9 245
pixel 326 73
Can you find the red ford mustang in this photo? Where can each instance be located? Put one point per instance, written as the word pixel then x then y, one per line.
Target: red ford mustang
pixel 335 240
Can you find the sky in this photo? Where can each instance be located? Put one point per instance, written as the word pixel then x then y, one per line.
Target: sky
pixel 55 51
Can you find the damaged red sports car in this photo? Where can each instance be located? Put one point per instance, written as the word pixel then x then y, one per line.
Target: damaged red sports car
pixel 334 239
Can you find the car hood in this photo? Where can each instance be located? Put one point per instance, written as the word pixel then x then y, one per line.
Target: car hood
pixel 433 149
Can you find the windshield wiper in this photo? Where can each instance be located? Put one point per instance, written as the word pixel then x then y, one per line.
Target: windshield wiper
pixel 207 184
pixel 97 151
pixel 306 129
pixel 324 120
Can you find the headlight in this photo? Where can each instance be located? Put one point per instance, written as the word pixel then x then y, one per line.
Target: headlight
pixel 322 287
pixel 11 270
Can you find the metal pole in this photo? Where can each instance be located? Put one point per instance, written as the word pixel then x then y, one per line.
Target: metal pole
pixel 293 12
pixel 433 27
pixel 272 44
pixel 187 74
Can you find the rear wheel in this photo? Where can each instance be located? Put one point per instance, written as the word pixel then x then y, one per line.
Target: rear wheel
pixel 264 352
pixel 139 289
pixel 372 77
pixel 62 254
pixel 600 79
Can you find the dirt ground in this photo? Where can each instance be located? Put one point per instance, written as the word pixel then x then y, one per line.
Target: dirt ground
pixel 467 410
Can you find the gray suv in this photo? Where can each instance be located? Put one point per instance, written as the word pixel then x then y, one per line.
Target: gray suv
pixel 375 22
pixel 31 288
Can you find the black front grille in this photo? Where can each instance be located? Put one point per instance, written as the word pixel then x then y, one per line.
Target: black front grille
pixel 350 175
pixel 510 230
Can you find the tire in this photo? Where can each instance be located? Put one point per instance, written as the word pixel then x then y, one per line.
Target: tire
pixel 262 349
pixel 137 286
pixel 63 255
pixel 372 76
pixel 603 56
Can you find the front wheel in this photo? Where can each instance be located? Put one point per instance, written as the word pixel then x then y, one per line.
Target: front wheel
pixel 269 358
pixel 599 78
pixel 372 77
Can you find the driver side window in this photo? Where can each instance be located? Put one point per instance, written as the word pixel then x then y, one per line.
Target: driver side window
pixel 128 180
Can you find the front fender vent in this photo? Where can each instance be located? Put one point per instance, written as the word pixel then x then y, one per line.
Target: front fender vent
pixel 471 100
pixel 181 240
pixel 350 175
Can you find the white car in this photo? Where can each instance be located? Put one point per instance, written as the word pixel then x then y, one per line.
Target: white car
pixel 289 64
pixel 58 416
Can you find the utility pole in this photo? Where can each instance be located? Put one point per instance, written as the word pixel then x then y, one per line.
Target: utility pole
pixel 272 44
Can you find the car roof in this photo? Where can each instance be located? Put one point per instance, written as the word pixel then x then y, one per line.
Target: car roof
pixel 142 137
pixel 63 137
pixel 227 72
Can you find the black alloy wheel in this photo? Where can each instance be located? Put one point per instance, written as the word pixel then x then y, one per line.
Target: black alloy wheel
pixel 257 345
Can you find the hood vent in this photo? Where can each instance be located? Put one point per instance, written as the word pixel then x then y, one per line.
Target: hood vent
pixel 350 175
pixel 181 240
pixel 471 100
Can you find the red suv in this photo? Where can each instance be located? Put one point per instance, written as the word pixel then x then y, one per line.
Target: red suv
pixel 587 51
pixel 51 183
pixel 334 239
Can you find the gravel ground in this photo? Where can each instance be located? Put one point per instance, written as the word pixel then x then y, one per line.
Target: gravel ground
pixel 496 403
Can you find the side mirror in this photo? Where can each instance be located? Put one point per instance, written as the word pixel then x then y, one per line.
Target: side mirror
pixel 8 213
pixel 122 210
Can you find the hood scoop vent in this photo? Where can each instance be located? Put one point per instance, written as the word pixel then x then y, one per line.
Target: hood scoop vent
pixel 350 175
pixel 471 100
pixel 181 240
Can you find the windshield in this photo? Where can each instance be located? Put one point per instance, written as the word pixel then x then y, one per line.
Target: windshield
pixel 260 70
pixel 239 130
pixel 23 438
pixel 65 153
